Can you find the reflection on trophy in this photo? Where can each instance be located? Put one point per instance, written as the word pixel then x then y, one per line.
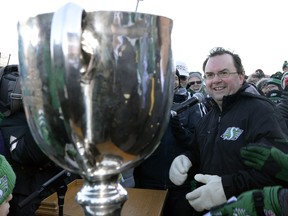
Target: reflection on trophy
pixel 97 90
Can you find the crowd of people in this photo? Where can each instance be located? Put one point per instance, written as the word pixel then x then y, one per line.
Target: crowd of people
pixel 227 154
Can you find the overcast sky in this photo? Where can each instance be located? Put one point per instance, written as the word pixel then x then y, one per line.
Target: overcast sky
pixel 255 29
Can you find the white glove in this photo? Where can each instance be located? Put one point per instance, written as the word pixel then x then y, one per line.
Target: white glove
pixel 209 195
pixel 179 169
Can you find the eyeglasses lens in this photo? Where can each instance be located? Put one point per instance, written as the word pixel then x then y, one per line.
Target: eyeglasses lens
pixel 196 82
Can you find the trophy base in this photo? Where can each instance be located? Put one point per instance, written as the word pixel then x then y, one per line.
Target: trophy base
pixel 102 198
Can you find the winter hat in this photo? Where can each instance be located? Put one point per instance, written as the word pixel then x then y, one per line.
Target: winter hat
pixel 182 68
pixel 275 81
pixel 7 179
pixel 261 84
pixel 277 75
pixel 195 74
pixel 285 64
pixel 259 73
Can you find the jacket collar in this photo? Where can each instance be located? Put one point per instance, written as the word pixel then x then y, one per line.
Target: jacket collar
pixel 229 100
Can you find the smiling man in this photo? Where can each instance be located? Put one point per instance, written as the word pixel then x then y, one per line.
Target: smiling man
pixel 239 116
pixel 222 79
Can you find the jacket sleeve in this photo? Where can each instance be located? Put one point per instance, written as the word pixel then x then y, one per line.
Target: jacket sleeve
pixel 241 181
pixel 183 125
pixel 27 152
pixel 19 141
pixel 270 131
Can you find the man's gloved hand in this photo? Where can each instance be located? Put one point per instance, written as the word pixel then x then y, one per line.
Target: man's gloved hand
pixel 209 195
pixel 176 126
pixel 179 169
pixel 266 159
pixel 245 204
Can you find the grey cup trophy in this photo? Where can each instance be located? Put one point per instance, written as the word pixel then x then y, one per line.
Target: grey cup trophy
pixel 97 90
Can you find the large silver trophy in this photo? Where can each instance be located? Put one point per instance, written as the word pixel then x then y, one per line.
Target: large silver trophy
pixel 97 90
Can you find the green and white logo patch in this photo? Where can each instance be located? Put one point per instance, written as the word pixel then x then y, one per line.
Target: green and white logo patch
pixel 232 133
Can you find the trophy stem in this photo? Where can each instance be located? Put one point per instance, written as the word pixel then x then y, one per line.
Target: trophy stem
pixel 103 197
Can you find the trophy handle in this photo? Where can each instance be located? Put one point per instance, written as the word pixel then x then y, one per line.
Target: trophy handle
pixel 65 46
pixel 64 33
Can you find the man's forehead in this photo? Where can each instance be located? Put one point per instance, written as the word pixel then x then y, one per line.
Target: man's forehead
pixel 219 63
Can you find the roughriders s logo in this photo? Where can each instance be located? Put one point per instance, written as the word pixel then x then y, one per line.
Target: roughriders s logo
pixel 232 133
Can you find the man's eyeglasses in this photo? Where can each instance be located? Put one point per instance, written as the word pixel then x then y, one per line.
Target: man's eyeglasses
pixel 221 75
pixel 195 82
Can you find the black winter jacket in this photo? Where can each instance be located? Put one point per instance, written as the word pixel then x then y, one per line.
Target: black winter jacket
pixel 20 142
pixel 32 167
pixel 245 118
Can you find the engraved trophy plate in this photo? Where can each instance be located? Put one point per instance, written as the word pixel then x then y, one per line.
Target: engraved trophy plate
pixel 97 90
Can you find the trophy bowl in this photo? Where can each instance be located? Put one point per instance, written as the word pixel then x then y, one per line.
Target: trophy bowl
pixel 97 91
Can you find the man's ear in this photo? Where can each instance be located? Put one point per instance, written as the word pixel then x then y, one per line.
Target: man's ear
pixel 242 77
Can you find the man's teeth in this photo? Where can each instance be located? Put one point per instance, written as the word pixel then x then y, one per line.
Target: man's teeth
pixel 218 88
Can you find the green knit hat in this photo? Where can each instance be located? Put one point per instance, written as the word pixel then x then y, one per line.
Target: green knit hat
pixel 7 179
pixel 276 82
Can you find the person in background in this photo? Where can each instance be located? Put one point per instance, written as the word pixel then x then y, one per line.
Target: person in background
pixel 240 116
pixel 182 74
pixel 153 172
pixel 7 184
pixel 274 84
pixel 285 66
pixel 283 105
pixel 274 89
pixel 255 77
pixel 261 86
pixel 271 87
pixel 196 83
pixel 284 81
